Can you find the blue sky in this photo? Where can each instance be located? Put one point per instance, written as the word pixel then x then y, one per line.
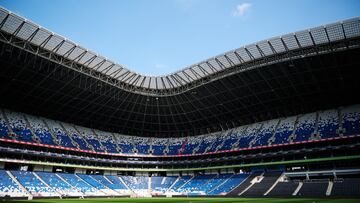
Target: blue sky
pixel 157 37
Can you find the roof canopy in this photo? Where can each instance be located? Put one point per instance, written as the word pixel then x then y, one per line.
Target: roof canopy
pixel 47 40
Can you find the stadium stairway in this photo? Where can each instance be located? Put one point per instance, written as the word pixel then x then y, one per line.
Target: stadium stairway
pixel 243 185
pixel 34 136
pixel 258 189
pixel 52 133
pixel 73 142
pixel 172 185
pixel 30 196
pixel 45 183
pixel 74 188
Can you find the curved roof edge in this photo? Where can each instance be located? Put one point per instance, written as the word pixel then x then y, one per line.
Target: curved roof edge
pixel 68 53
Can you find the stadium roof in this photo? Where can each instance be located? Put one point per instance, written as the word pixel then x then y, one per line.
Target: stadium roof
pixel 44 74
pixel 99 66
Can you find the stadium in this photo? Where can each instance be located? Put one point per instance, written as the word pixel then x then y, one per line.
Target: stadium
pixel 274 121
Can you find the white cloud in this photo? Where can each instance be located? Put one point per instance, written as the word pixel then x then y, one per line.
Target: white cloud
pixel 160 66
pixel 242 9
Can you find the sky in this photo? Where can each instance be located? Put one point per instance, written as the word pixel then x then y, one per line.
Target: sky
pixel 158 37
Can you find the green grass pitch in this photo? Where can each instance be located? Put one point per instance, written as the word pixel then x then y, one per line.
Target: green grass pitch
pixel 192 200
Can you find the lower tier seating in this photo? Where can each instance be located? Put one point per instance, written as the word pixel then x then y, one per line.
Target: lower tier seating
pixel 313 189
pixel 346 188
pixel 257 184
pixel 258 189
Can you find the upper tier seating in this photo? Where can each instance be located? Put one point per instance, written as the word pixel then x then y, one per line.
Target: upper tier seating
pixel 9 187
pixel 159 145
pixel 33 184
pixel 311 126
pixel 124 142
pixel 328 123
pixel 4 131
pixel 265 133
pixel 230 138
pixel 351 120
pixel 18 125
pixel 107 140
pixel 175 145
pixel 284 130
pixel 249 135
pixel 40 130
pixel 61 135
pixel 191 144
pixel 205 142
pixel 75 135
pixel 305 127
pixel 90 138
pixel 142 144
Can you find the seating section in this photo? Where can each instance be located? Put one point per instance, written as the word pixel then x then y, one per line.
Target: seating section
pixel 18 125
pixel 160 184
pixel 61 135
pixel 265 133
pixel 283 189
pixel 351 120
pixel 124 142
pixel 284 130
pixel 216 142
pixel 328 124
pixel 175 145
pixel 9 187
pixel 305 127
pixel 318 125
pixel 138 184
pixel 346 187
pixel 107 140
pixel 4 131
pixel 230 138
pixel 313 189
pixel 116 184
pixel 90 138
pixel 81 185
pixel 228 184
pixel 191 144
pixel 40 129
pixel 159 145
pixel 259 188
pixel 142 144
pixel 75 135
pixel 206 141
pixel 33 184
pixel 111 182
pixel 249 135
pixel 256 184
pixel 196 186
pixel 179 183
pixel 58 184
